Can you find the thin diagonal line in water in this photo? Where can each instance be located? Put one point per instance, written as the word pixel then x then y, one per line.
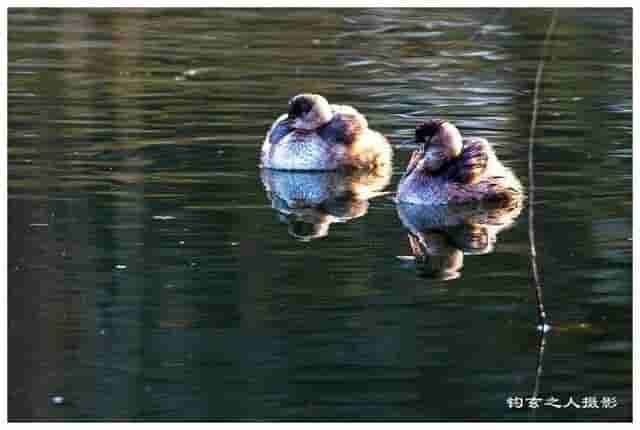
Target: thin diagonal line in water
pixel 543 327
pixel 536 388
pixel 542 316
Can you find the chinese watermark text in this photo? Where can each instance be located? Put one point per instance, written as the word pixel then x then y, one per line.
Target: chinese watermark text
pixel 585 402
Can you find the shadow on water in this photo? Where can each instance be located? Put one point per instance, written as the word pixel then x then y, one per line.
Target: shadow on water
pixel 149 276
pixel 309 202
pixel 440 236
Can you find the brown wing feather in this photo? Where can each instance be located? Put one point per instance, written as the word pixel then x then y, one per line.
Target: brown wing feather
pixel 472 163
pixel 489 188
pixel 347 123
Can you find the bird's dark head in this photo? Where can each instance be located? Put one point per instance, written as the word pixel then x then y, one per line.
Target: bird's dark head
pixel 300 106
pixel 439 141
pixel 308 112
pixel 427 130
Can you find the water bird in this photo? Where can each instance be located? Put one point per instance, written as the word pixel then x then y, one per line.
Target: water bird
pixel 316 135
pixel 449 169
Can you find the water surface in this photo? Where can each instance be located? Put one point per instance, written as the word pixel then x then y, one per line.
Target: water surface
pixel 152 276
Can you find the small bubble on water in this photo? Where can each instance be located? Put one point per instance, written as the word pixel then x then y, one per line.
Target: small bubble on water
pixel 181 242
pixel 406 257
pixel 235 243
pixel 544 328
pixel 163 217
pixel 191 72
pixel 120 266
pixel 57 400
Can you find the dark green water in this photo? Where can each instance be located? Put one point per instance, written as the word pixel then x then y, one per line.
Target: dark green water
pixel 150 278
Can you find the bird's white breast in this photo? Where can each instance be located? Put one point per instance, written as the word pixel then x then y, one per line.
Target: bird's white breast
pixel 297 151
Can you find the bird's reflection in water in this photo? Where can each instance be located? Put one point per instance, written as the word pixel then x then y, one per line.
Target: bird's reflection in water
pixel 440 236
pixel 309 202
